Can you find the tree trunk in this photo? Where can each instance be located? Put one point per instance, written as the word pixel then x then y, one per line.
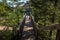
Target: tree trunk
pixel 56 1
pixel 58 31
pixel 50 34
pixel 58 35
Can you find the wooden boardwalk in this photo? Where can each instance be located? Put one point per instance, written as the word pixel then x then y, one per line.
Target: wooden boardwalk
pixel 28 32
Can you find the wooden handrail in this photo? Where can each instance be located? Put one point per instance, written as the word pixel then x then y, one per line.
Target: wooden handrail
pixel 36 28
pixel 50 27
pixel 21 26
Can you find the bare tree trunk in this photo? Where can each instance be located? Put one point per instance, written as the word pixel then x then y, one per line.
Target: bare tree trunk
pixel 52 21
pixel 58 35
pixel 50 34
pixel 56 1
pixel 58 31
pixel 53 18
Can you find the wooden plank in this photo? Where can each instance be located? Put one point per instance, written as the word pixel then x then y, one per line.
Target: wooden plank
pixel 5 28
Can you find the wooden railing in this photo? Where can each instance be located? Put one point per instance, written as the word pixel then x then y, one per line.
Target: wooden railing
pixel 21 26
pixel 36 29
pixel 50 27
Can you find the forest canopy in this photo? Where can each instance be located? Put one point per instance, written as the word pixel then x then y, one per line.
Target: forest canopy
pixel 45 12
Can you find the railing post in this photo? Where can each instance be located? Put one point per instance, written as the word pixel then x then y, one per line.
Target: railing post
pixel 58 33
pixel 36 35
pixel 21 28
pixel 34 28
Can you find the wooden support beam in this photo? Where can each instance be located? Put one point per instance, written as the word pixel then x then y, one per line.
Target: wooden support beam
pixel 51 27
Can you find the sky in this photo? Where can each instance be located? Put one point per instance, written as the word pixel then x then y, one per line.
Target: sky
pixel 11 2
pixel 0 0
pixel 20 1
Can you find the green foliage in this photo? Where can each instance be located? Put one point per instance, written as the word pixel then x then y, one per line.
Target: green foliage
pixel 5 35
pixel 8 16
pixel 46 12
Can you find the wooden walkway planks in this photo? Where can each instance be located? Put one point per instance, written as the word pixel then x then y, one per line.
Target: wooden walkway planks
pixel 28 32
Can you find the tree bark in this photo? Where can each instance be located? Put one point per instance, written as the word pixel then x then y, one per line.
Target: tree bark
pixel 56 1
pixel 50 34
pixel 58 31
pixel 58 35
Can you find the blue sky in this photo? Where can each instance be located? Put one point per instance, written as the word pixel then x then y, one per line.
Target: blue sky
pixel 0 0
